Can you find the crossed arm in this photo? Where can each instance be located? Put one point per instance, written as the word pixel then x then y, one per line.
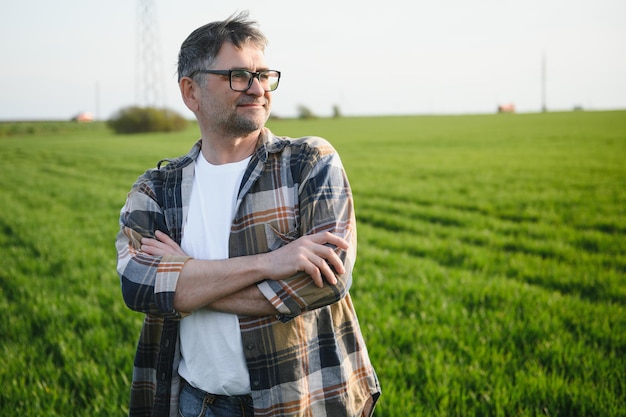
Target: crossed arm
pixel 229 285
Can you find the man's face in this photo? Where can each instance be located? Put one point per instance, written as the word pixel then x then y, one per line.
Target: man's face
pixel 230 111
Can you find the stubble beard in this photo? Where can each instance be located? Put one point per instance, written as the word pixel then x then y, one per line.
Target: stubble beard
pixel 235 124
pixel 238 125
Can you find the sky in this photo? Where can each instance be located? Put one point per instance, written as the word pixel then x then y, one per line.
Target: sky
pixel 392 57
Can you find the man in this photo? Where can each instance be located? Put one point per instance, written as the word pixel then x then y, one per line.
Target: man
pixel 240 254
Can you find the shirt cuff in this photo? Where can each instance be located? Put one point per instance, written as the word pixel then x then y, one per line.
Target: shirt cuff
pixel 273 298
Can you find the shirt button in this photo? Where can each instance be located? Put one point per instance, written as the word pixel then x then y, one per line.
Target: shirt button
pixel 255 383
pixel 167 342
pixel 250 346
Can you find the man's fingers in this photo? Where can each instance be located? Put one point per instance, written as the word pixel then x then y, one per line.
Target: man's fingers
pixel 149 245
pixel 335 261
pixel 330 238
pixel 319 270
pixel 162 245
pixel 325 261
pixel 328 272
pixel 163 237
pixel 339 242
pixel 314 269
pixel 316 276
pixel 330 259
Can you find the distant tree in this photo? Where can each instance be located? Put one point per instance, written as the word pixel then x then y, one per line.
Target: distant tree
pixel 336 111
pixel 305 113
pixel 146 119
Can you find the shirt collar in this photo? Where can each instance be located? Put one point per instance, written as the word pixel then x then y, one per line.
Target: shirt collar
pixel 269 143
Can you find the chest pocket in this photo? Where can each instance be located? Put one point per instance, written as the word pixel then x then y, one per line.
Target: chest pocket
pixel 266 221
pixel 276 239
pixel 281 217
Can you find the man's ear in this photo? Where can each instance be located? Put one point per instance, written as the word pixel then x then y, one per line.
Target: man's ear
pixel 189 92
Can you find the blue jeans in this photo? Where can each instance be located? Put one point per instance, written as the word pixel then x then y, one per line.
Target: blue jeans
pixel 194 402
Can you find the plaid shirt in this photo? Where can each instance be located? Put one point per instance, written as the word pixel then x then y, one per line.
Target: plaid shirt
pixel 308 360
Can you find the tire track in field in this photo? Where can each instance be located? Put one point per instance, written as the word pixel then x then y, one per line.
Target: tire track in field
pixel 523 248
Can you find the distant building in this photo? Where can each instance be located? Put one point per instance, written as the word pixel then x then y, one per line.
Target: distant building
pixel 83 117
pixel 506 108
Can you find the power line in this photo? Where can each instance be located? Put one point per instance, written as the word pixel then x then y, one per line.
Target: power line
pixel 544 106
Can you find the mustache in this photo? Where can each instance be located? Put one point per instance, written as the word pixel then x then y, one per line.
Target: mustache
pixel 253 101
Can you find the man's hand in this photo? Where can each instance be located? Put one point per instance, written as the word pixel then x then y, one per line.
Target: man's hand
pixel 309 254
pixel 162 245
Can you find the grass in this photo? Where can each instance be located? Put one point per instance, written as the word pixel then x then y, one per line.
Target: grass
pixel 490 279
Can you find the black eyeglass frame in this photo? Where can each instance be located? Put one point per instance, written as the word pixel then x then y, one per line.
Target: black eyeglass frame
pixel 229 73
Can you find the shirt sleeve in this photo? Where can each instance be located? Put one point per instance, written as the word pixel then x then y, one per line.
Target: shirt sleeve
pixel 148 282
pixel 326 204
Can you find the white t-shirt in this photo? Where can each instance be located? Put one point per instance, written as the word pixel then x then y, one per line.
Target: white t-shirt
pixel 212 353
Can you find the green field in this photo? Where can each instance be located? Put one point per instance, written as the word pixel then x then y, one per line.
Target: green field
pixel 491 277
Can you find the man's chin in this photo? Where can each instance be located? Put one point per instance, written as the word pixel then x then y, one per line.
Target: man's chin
pixel 257 118
pixel 245 125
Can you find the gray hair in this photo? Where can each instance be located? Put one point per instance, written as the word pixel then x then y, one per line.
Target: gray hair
pixel 201 47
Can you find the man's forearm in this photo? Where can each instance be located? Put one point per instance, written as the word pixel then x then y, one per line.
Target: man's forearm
pixel 249 301
pixel 203 282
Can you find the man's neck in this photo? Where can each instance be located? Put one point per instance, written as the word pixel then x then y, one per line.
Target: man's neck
pixel 219 150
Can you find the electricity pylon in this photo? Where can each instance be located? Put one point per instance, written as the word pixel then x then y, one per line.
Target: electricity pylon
pixel 149 82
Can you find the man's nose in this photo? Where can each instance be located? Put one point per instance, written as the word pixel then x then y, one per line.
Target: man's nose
pixel 256 89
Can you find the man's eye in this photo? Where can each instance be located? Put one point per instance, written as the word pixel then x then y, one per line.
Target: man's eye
pixel 240 75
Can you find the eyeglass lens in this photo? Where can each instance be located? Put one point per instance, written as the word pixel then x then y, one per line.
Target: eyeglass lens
pixel 241 80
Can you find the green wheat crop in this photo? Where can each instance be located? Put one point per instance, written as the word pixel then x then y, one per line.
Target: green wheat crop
pixel 491 277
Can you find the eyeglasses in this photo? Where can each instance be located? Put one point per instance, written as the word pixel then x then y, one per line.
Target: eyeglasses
pixel 241 80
